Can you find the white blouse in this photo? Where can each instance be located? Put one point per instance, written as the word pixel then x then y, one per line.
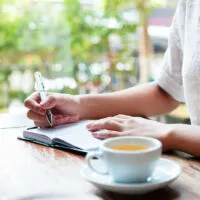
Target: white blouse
pixel 180 75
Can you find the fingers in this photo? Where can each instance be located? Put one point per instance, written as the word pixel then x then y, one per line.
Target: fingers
pixel 104 134
pixel 107 123
pixel 36 117
pixel 32 103
pixel 42 125
pixel 109 127
pixel 49 102
pixel 57 120
pixel 110 123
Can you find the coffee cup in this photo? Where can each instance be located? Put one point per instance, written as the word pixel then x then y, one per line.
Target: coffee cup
pixel 128 159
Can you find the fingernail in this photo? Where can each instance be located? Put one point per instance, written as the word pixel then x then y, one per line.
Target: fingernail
pixel 99 132
pixel 91 128
pixel 96 135
pixel 88 125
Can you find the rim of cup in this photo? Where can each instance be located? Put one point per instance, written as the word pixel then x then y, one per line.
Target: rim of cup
pixel 156 145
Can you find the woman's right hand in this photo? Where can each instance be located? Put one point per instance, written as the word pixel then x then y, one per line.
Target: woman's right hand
pixel 65 109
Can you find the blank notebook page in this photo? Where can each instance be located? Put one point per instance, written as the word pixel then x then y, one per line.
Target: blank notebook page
pixel 75 134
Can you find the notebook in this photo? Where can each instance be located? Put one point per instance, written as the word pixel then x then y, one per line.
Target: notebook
pixel 73 137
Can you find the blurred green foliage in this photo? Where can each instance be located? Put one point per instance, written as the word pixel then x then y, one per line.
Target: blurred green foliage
pixel 36 35
pixel 89 33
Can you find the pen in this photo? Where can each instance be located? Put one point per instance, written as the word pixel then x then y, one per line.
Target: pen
pixel 43 96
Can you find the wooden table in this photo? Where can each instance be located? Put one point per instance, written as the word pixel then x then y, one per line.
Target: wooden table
pixel 30 171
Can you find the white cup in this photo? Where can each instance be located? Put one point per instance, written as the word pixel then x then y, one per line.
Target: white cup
pixel 133 166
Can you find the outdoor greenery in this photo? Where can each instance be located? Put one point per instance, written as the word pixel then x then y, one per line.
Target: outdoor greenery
pixel 95 46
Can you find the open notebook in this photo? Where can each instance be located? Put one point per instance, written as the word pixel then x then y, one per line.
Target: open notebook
pixel 71 136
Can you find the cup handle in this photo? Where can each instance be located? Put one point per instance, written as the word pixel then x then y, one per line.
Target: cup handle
pixel 94 155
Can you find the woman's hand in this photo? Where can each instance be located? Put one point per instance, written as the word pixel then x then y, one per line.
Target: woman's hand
pixel 122 125
pixel 65 109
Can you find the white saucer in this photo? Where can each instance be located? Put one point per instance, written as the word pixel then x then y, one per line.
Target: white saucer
pixel 165 172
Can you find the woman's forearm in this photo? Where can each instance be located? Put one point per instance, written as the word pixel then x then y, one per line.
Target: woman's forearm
pixel 185 138
pixel 143 100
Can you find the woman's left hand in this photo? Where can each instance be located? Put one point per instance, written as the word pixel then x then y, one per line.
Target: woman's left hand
pixel 123 125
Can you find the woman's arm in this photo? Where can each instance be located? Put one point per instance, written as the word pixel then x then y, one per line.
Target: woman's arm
pixel 144 100
pixel 185 138
pixel 181 137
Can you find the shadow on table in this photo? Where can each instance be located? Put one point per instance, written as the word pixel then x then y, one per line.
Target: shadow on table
pixel 164 194
pixel 184 155
pixel 50 196
pixel 44 197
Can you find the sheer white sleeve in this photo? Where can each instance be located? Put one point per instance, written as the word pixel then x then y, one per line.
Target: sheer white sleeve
pixel 170 78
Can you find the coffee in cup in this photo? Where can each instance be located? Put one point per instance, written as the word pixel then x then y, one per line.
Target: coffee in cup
pixel 128 159
pixel 129 147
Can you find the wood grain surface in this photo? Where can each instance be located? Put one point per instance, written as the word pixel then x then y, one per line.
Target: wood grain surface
pixel 31 171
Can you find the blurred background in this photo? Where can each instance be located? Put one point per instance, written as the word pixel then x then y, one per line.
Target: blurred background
pixel 81 46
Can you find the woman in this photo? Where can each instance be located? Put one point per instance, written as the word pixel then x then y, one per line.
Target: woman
pixel 179 82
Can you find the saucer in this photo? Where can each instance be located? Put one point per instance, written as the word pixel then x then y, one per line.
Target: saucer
pixel 165 172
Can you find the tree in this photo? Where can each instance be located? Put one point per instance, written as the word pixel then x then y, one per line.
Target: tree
pixel 8 30
pixel 89 34
pixel 145 42
pixel 145 47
